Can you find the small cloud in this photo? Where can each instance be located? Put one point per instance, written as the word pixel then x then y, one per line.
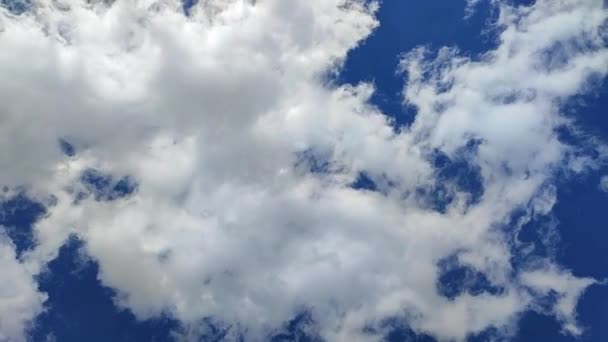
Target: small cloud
pixel 604 183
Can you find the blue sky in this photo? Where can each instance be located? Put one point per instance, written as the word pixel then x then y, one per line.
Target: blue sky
pixel 82 302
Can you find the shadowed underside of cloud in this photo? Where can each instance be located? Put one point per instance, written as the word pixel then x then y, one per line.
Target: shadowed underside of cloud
pixel 215 176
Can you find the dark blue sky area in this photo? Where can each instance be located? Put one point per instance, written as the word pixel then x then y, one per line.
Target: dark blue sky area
pixel 80 309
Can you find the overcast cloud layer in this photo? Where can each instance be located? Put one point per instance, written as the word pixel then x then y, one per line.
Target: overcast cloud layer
pixel 245 154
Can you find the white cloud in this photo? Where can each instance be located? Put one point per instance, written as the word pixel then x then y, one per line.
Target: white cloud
pixel 568 288
pixel 210 113
pixel 19 297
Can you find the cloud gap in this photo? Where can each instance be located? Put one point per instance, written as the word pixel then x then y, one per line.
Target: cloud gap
pixel 105 187
pixel 18 214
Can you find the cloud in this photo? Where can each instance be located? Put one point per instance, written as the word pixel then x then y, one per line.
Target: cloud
pixel 19 297
pixel 604 184
pixel 210 115
pixel 568 289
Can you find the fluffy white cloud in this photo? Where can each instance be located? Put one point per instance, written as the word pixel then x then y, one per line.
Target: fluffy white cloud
pixel 19 297
pixel 219 116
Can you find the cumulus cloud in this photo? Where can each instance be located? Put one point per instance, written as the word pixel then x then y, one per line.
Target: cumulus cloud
pixel 244 153
pixel 19 298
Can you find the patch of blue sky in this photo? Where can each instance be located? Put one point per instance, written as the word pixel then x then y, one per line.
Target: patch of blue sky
pixel 16 7
pixel 187 6
pixel 105 187
pixel 456 279
pixel 18 213
pixel 364 182
pixel 67 148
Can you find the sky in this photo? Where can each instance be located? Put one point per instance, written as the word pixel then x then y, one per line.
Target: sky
pixel 322 170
